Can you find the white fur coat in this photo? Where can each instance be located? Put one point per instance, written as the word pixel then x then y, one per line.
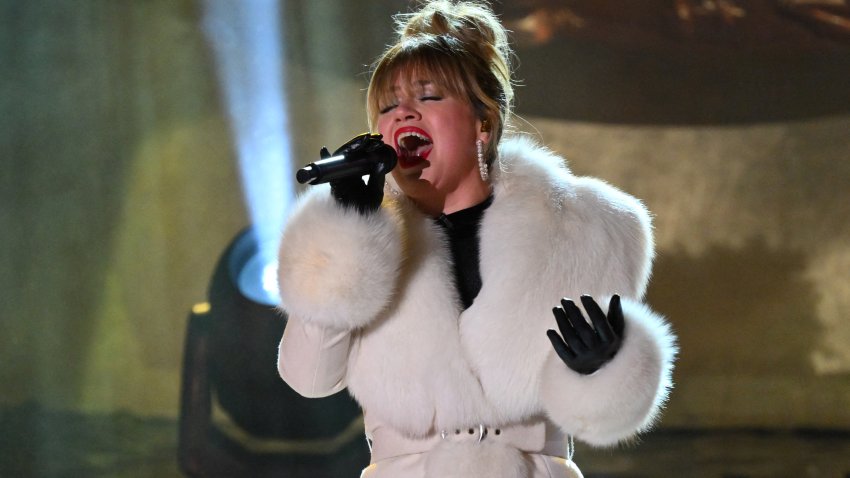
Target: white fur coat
pixel 420 364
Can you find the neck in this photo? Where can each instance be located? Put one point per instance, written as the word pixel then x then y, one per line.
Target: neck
pixel 466 198
pixel 435 204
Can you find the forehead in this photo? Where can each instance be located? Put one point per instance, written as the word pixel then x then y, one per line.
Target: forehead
pixel 415 76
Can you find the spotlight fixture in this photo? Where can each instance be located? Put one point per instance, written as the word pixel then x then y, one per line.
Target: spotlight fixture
pixel 236 412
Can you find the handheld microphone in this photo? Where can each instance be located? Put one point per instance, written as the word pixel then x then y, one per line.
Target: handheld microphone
pixel 364 154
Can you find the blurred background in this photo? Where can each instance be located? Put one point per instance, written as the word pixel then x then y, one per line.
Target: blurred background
pixel 124 180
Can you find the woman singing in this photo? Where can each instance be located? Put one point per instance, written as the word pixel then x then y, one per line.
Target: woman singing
pixel 484 305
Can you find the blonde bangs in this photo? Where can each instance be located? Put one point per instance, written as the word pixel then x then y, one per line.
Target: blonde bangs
pixel 410 63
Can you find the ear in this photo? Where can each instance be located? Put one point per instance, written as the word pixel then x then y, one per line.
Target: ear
pixel 484 128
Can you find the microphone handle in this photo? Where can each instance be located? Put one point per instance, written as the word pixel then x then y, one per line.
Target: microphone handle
pixel 338 167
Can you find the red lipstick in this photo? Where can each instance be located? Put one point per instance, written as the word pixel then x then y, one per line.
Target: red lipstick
pixel 413 146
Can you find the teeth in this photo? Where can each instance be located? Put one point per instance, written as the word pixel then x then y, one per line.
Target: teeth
pixel 411 133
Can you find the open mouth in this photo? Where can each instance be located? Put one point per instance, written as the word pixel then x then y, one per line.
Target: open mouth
pixel 413 146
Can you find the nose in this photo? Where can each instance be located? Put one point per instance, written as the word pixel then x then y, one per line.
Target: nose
pixel 406 111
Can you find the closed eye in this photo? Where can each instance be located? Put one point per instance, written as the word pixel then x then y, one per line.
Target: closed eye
pixel 387 109
pixel 431 98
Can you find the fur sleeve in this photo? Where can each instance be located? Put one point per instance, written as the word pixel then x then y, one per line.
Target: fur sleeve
pixel 626 395
pixel 337 268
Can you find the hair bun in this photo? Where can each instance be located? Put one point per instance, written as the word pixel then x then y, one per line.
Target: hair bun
pixel 473 24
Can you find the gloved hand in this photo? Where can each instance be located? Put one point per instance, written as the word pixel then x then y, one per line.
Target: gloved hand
pixel 585 347
pixel 351 191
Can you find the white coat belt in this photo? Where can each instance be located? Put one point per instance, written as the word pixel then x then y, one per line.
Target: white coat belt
pixel 539 436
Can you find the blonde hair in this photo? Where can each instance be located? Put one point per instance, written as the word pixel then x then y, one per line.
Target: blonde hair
pixel 460 46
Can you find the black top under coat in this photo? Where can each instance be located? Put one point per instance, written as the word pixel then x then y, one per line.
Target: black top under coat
pixel 462 230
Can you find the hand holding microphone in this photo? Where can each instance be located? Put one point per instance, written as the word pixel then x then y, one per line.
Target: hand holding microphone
pixel 364 154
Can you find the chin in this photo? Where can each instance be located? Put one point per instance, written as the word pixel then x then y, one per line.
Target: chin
pixel 409 175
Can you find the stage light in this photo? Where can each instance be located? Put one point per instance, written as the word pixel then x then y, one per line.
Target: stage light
pixel 232 396
pixel 253 269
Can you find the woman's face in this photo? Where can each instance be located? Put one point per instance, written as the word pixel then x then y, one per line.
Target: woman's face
pixel 434 134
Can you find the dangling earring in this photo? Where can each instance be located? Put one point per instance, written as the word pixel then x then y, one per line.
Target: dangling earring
pixel 482 165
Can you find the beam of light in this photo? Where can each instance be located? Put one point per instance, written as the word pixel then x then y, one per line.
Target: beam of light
pixel 246 38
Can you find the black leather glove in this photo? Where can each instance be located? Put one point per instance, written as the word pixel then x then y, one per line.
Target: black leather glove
pixel 351 191
pixel 585 347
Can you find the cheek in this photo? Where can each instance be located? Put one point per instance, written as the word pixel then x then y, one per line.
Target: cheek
pixel 384 129
pixel 461 141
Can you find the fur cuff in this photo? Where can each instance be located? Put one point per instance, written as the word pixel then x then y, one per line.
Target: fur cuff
pixel 625 396
pixel 337 268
